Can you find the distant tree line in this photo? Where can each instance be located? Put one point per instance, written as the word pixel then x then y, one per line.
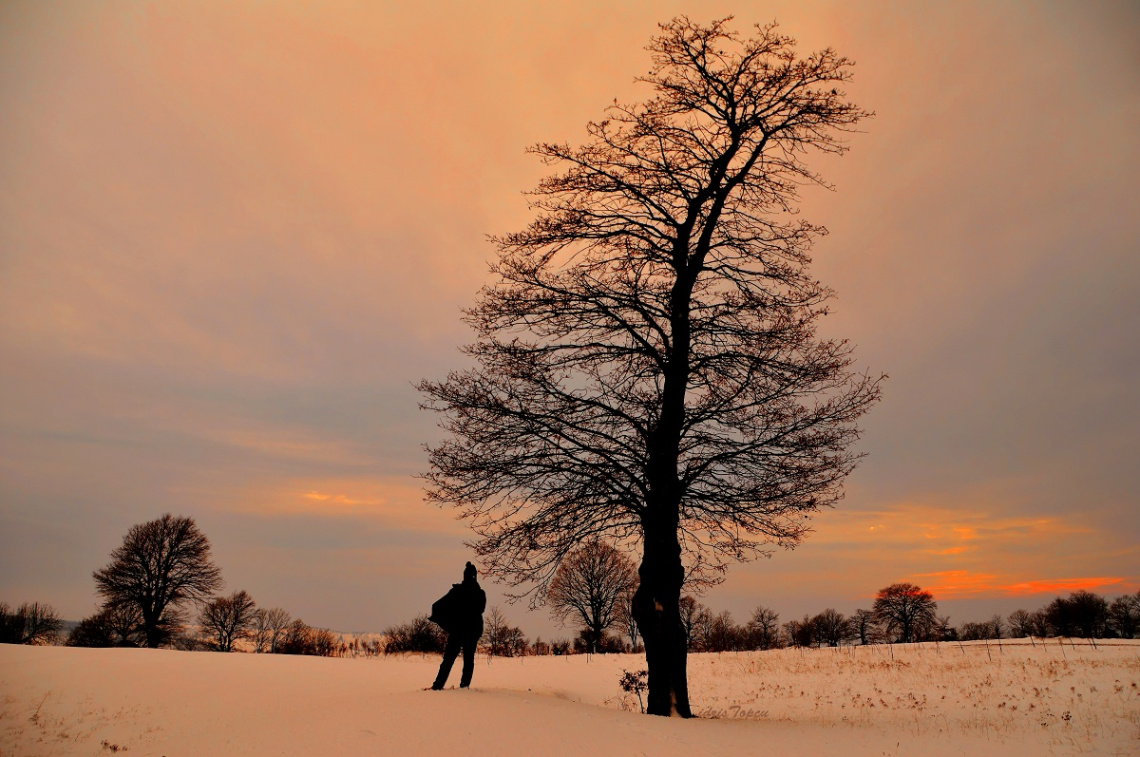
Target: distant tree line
pixel 163 569
pixel 900 613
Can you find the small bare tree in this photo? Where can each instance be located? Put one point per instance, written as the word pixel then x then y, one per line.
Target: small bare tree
pixel 626 620
pixel 589 586
pixel 764 628
pixel 30 623
pixel 905 609
pixel 268 628
pixel 160 566
pixel 690 610
pixel 866 627
pixel 800 633
pixel 502 639
pixel 1020 624
pixel 228 619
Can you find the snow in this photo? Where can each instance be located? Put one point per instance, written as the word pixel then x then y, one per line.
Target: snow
pixel 928 699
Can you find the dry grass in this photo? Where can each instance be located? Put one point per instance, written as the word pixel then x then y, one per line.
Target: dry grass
pixel 1074 693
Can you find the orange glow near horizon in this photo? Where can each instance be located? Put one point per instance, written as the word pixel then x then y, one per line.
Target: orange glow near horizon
pixel 960 584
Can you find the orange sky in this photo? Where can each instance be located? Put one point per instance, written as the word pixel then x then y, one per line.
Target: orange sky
pixel 232 236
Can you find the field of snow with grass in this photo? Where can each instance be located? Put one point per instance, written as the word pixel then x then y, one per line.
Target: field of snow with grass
pixel 925 699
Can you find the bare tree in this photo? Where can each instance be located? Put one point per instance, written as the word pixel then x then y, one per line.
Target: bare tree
pixel 228 619
pixel 831 627
pixel 160 566
pixel 1124 615
pixel 503 639
pixel 865 627
pixel 724 635
pixel 904 610
pixel 689 609
pixel 268 628
pixel 647 362
pixel 115 626
pixel 1020 624
pixel 800 633
pixel 589 586
pixel 278 621
pixel 260 632
pixel 626 620
pixel 764 627
pixel 30 623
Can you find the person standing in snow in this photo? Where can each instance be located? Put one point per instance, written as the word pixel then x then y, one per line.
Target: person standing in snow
pixel 460 613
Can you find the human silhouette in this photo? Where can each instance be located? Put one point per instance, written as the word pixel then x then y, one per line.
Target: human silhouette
pixel 460 613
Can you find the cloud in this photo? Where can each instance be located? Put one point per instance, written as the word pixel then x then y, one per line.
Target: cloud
pixel 959 584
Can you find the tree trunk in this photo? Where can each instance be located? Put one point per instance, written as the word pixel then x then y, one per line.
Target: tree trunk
pixel 153 632
pixel 656 608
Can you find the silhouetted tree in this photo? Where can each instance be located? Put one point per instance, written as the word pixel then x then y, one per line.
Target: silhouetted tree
pixel 30 623
pixel 589 586
pixel 110 627
pixel 702 629
pixel 269 626
pixel 626 620
pixel 501 638
pixel 723 634
pixel 1124 615
pixel 1020 624
pixel 831 627
pixel 1082 613
pixel 228 619
pixel 800 633
pixel 943 631
pixel 764 628
pixel 866 627
pixel 689 608
pixel 160 566
pixel 647 361
pixel 906 611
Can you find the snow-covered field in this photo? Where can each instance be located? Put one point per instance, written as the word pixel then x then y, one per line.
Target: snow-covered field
pixel 909 700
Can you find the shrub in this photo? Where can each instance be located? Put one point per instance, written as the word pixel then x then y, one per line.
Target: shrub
pixel 420 635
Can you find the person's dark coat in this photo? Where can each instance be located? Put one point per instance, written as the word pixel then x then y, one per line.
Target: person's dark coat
pixel 460 612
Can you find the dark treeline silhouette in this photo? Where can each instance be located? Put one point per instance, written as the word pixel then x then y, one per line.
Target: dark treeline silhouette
pixel 901 612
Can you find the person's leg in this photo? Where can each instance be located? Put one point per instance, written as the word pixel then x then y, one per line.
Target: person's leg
pixel 450 652
pixel 468 662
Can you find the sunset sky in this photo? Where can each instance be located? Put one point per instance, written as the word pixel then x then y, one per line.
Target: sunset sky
pixel 233 235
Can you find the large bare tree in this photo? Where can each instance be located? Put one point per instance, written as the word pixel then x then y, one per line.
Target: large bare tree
pixel 589 587
pixel 646 363
pixel 160 566
pixel 905 611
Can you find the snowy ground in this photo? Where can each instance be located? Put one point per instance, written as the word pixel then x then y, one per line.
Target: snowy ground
pixel 924 699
